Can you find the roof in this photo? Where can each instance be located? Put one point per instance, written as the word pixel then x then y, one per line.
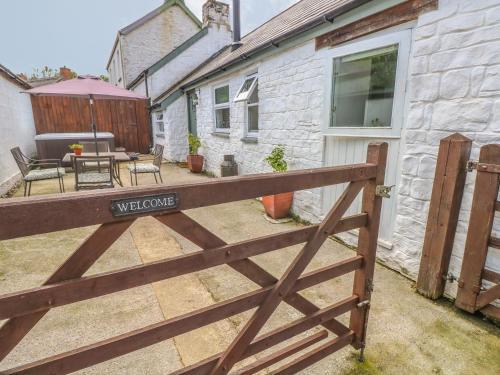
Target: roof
pixel 141 21
pixel 13 77
pixel 297 19
pixel 85 86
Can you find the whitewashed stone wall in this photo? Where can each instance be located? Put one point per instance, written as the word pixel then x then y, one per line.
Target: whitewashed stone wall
pixel 175 136
pixel 17 128
pixel 153 40
pixel 291 94
pixel 454 87
pixel 217 38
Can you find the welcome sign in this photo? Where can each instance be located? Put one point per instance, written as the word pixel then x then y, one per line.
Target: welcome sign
pixel 137 205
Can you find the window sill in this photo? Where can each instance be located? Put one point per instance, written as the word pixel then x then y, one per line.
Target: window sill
pixel 249 140
pixel 221 134
pixel 160 136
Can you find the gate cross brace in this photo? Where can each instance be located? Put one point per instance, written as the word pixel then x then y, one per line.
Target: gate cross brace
pixel 202 237
pixel 285 284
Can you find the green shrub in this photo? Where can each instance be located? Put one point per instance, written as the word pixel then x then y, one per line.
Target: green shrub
pixel 277 159
pixel 194 144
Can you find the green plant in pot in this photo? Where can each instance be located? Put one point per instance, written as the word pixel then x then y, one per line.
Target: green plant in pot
pixel 278 206
pixel 76 148
pixel 195 161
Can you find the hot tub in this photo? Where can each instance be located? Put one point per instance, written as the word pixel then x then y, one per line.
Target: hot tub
pixel 55 145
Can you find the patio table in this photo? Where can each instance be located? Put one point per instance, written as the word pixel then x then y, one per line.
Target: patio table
pixel 119 157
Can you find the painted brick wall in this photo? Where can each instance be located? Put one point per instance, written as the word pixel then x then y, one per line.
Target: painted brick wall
pixel 17 128
pixel 454 87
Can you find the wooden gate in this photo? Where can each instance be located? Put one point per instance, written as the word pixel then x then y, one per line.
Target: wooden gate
pixel 117 210
pixel 473 295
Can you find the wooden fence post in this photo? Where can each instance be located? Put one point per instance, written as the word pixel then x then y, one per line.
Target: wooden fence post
pixel 447 192
pixel 479 233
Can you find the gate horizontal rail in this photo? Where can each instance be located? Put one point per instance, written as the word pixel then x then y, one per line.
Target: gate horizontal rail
pixel 37 215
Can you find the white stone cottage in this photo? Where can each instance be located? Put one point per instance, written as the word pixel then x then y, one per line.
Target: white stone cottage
pixel 17 127
pixel 326 77
pixel 145 41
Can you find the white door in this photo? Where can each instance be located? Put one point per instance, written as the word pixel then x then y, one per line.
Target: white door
pixel 365 101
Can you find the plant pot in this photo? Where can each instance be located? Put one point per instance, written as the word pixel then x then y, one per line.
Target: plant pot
pixel 278 206
pixel 77 151
pixel 195 163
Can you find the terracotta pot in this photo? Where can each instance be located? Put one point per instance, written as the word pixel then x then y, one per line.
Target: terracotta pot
pixel 278 206
pixel 195 163
pixel 77 151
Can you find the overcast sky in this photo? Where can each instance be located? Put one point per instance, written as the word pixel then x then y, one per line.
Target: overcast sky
pixel 80 33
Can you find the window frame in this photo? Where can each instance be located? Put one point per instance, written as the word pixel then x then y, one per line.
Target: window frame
pixel 400 38
pixel 252 133
pixel 159 132
pixel 243 97
pixel 221 106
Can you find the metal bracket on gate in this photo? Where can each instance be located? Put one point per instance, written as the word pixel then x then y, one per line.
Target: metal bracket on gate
pixel 482 167
pixel 383 191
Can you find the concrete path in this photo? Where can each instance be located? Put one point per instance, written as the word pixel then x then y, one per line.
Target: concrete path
pixel 407 333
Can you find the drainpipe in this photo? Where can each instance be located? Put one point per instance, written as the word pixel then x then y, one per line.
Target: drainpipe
pixel 151 138
pixel 236 26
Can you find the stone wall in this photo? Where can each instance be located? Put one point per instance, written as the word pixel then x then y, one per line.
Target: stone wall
pixel 291 89
pixel 17 128
pixel 150 42
pixel 454 87
pixel 167 76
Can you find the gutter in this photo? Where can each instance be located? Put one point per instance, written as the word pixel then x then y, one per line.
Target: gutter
pixel 275 43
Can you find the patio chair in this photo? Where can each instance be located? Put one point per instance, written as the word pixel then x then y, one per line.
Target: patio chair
pixel 89 147
pixel 154 168
pixel 101 178
pixel 27 167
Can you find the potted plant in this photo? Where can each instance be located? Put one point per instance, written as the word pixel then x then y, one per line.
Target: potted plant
pixel 278 206
pixel 76 148
pixel 195 161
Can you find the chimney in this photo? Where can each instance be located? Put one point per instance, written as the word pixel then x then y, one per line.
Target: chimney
pixel 236 25
pixel 65 73
pixel 216 13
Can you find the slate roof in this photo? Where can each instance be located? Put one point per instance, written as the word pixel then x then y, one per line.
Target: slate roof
pixel 13 77
pixel 300 17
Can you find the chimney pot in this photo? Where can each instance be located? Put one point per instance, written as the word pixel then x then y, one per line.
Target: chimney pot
pixel 65 73
pixel 216 13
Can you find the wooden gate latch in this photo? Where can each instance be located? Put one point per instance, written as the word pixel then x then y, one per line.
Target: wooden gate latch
pixel 383 191
pixel 482 167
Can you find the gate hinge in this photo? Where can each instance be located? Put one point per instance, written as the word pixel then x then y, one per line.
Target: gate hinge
pixel 364 303
pixel 471 165
pixel 450 277
pixel 369 285
pixel 383 191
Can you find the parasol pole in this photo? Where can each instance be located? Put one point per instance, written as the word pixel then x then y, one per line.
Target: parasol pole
pixel 94 126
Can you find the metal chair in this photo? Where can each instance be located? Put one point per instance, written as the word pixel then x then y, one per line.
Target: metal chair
pixel 154 168
pixel 89 147
pixel 27 167
pixel 101 178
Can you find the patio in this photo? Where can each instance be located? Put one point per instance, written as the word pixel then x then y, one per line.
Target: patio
pixel 436 339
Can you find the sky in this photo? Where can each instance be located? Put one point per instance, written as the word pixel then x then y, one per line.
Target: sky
pixel 79 34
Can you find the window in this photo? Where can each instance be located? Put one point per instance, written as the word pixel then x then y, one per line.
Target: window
pixel 159 124
pixel 249 93
pixel 246 89
pixel 221 106
pixel 363 89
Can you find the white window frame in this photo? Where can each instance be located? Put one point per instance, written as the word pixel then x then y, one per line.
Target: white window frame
pixel 159 131
pixel 221 106
pixel 243 96
pixel 403 40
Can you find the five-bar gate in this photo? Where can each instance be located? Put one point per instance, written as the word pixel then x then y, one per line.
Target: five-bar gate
pixel 116 210
pixel 472 294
